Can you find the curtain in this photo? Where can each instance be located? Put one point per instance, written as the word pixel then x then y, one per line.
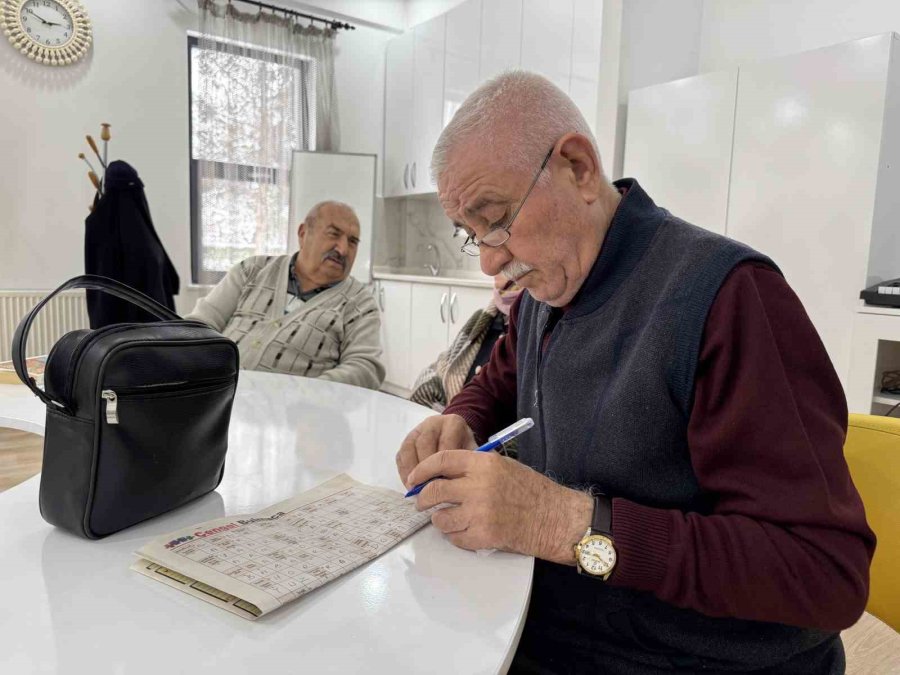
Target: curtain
pixel 262 86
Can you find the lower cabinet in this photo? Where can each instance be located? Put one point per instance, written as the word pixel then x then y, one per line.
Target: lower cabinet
pixel 438 313
pixel 418 322
pixel 393 299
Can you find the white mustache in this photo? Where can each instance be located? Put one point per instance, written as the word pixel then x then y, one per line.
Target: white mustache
pixel 516 269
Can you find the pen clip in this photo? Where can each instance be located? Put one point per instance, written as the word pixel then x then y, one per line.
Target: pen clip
pixel 512 430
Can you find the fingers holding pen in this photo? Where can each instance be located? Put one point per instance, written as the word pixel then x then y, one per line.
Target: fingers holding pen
pixel 440 432
pixel 443 464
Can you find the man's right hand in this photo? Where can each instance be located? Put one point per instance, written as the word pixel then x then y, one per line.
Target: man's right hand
pixel 440 432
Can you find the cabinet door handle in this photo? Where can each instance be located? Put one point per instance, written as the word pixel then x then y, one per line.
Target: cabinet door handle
pixel 406 175
pixel 443 302
pixel 412 175
pixel 453 299
pixel 381 296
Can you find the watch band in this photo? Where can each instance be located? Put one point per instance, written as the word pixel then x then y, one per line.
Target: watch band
pixel 601 521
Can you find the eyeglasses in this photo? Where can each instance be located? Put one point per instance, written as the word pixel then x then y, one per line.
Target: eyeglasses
pixel 501 235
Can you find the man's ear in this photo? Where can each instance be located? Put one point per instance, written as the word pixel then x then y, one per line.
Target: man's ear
pixel 301 232
pixel 583 165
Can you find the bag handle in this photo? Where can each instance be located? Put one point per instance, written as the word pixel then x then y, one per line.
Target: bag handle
pixel 92 282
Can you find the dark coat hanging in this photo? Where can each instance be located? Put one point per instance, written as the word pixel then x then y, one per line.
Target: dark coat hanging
pixel 121 243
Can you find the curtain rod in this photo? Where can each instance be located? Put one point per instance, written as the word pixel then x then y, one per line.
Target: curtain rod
pixel 335 25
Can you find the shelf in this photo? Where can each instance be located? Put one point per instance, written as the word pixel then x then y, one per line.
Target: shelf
pixel 886 399
pixel 875 309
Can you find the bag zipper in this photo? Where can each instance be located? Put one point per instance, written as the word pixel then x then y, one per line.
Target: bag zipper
pixel 112 397
pixel 112 406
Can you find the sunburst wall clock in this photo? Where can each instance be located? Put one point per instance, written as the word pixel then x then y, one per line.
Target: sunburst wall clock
pixel 52 32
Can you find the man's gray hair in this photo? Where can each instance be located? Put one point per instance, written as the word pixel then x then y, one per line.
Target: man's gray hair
pixel 314 211
pixel 517 116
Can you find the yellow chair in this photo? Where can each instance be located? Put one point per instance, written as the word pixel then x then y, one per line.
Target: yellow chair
pixel 872 450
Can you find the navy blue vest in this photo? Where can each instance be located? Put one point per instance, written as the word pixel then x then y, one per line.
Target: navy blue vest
pixel 611 397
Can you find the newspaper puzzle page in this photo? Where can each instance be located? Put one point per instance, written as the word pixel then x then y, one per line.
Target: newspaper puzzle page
pixel 250 565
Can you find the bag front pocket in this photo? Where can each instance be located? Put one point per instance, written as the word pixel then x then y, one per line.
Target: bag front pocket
pixel 160 446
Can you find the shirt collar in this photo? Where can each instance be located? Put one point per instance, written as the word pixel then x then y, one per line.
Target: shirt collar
pixel 293 286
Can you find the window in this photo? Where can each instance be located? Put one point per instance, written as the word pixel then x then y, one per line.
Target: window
pixel 250 108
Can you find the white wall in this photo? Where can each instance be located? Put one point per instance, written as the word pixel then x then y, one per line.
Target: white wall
pixel 649 42
pixel 389 14
pixel 135 77
pixel 733 33
pixel 419 11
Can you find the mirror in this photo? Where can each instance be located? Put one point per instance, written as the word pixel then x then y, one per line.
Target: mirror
pixel 343 177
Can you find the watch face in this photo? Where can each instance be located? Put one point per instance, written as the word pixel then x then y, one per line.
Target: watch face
pixel 47 22
pixel 596 555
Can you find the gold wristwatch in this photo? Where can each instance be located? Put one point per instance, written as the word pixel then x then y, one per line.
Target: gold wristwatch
pixel 595 554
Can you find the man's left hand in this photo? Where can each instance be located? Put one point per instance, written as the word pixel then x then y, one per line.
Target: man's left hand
pixel 497 503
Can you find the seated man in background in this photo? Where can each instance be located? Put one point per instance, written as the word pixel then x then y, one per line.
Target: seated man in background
pixel 440 381
pixel 303 313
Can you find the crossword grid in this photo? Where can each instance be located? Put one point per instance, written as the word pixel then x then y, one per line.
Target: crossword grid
pixel 311 545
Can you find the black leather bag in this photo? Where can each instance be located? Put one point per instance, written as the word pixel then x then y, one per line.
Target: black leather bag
pixel 137 415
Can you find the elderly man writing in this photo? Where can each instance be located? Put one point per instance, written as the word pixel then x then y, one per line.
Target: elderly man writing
pixel 684 489
pixel 303 314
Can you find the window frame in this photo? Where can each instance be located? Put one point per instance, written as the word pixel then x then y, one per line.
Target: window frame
pixel 246 172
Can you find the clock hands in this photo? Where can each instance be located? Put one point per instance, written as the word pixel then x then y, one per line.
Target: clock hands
pixel 42 19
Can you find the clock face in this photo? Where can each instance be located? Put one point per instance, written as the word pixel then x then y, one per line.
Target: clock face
pixel 597 555
pixel 47 22
pixel 53 32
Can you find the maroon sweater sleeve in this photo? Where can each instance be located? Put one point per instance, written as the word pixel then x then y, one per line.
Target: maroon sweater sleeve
pixel 786 539
pixel 488 402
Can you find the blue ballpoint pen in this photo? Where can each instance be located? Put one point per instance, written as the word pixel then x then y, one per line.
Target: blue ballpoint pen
pixel 495 441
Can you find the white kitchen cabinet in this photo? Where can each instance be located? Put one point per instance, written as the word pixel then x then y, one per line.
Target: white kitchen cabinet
pixel 585 79
pixel 813 180
pixel 398 115
pixel 429 327
pixel 678 145
pixel 461 55
pixel 501 37
pixel 435 66
pixel 394 301
pixel 438 313
pixel 547 39
pixel 428 100
pixel 813 162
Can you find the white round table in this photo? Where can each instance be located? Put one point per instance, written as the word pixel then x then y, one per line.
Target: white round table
pixel 73 606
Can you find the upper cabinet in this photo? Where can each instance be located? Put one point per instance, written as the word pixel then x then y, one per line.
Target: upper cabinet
pixel 679 137
pixel 793 156
pixel 547 39
pixel 501 37
pixel 428 99
pixel 435 66
pixel 398 107
pixel 461 55
pixel 413 107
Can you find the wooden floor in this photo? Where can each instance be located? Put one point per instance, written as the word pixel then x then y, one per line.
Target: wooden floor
pixel 20 456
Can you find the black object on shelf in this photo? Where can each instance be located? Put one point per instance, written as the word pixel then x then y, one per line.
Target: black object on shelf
pixel 885 294
pixel 890 382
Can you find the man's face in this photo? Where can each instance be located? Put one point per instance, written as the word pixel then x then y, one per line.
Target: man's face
pixel 541 253
pixel 328 246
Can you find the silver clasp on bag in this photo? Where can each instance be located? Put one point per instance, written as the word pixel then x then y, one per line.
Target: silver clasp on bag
pixel 112 403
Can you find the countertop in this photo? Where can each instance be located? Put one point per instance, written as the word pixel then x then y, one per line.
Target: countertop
pixel 454 277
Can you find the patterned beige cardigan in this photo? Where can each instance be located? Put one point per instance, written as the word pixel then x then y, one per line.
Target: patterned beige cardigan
pixel 439 382
pixel 335 335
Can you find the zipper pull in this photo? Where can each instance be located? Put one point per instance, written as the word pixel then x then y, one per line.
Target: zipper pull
pixel 112 404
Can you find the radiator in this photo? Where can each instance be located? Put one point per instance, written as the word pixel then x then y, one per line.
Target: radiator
pixel 67 311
